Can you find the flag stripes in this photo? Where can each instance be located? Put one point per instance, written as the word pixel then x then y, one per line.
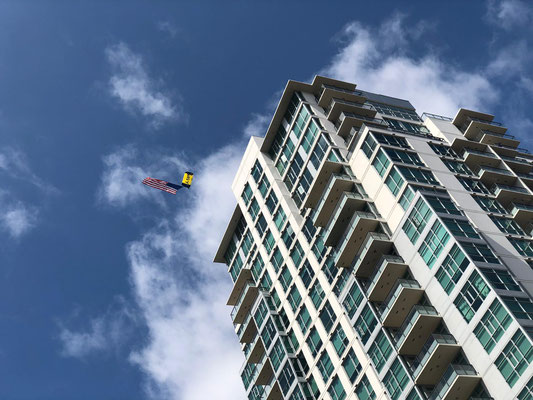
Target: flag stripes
pixel 159 184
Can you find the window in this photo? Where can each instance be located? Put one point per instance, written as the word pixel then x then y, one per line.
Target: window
pixel 261 225
pixel 286 378
pixel 515 358
pixel 471 296
pixel 492 325
pixel 294 298
pixel 329 269
pixel 327 316
pixel 309 229
pixel 368 146
pixel 381 162
pixel 319 248
pixel 507 225
pixel 264 185
pixel 417 220
pixel 406 197
pixel 307 274
pixel 442 150
pixel 365 324
pixel 257 267
pixel 280 218
pixel 419 175
pixel 433 244
pixel 460 228
pixel 277 354
pixel 479 252
pixel 257 171
pixel 317 294
pixel 490 205
pixel 501 279
pixel 392 140
pixel 277 259
pixel 247 194
pixel 380 350
pixel 271 202
pixel 474 185
pixel 260 314
pixel 304 319
pixel 443 205
pixel 394 181
pixel 269 331
pixel 527 392
pixel 396 111
pixel 351 365
pixel 353 299
pixel 336 391
pixel 288 236
pixel 325 366
pixel 314 342
pixel 364 390
pixel 396 379
pixel 452 268
pixel 407 126
pixel 339 340
pixel 297 254
pixel 285 278
pixel 254 209
pixel 266 282
pixel 458 167
pixel 269 241
pixel 341 281
pixel 521 307
pixel 405 157
pixel 524 247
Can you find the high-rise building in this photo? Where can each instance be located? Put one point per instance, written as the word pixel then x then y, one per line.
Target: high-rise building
pixel 377 254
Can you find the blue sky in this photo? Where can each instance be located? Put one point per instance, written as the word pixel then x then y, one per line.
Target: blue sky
pixel 107 287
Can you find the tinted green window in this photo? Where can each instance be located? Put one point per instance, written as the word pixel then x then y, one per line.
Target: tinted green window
pixel 515 358
pixel 479 252
pixel 368 146
pixel 364 390
pixel 527 392
pixel 524 247
pixel 394 181
pixel 405 157
pixel 452 269
pixel 294 298
pixel 353 299
pixel 380 351
pixel 285 278
pixel 471 296
pixel 507 225
pixel 501 279
pixel 339 340
pixel 314 342
pixel 261 225
pixel 280 218
pixel 492 325
pixel 286 378
pixel 247 194
pixel 297 254
pixel 327 316
pixel 490 205
pixel 260 314
pixel 254 209
pixel 521 307
pixel 336 391
pixel 307 274
pixel 317 294
pixel 460 228
pixel 264 185
pixel 351 365
pixel 277 354
pixel 257 171
pixel 418 175
pixel 365 324
pixel 269 241
pixel 432 246
pixel 381 162
pixel 396 379
pixel 406 197
pixel 443 205
pixel 277 259
pixel 304 319
pixel 325 366
pixel 417 220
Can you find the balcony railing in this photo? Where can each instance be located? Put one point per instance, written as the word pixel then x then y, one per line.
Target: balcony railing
pixel 477 152
pixel 497 187
pixel 338 89
pixel 400 285
pixel 376 275
pixel 449 378
pixel 421 361
pixel 412 317
pixel 483 168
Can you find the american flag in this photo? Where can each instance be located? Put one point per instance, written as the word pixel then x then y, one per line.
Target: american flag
pixel 159 184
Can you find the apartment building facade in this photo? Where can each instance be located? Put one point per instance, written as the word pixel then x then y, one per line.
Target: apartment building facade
pixel 378 254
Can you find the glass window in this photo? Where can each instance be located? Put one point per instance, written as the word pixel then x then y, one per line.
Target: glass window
pixel 458 167
pixel 365 324
pixel 319 248
pixel 277 259
pixel 381 162
pixel 257 267
pixel 297 254
pixel 471 296
pixel 329 269
pixel 501 279
pixel 280 218
pixel 260 314
pixel 392 140
pixel 524 247
pixel 490 205
pixel 325 366
pixel 327 316
pixel 479 252
pixel 380 350
pixel 307 274
pixel 364 390
pixel 257 171
pixel 368 145
pixel 396 379
pixel 264 185
pixel 515 358
pixel 527 392
pixel 407 126
pixel 314 342
pixel 261 225
pixel 396 111
pixel 304 319
pixel 351 365
pixel 394 181
pixel 521 307
pixel 288 236
pixel 286 378
pixel 474 185
pixel 507 225
pixel 247 194
pixel 294 298
pixel 443 205
pixel 309 229
pixel 452 268
pixel 417 220
pixel 407 197
pixel 405 157
pixel 418 175
pixel 317 294
pixel 268 333
pixel 285 278
pixel 432 246
pixel 339 340
pixel 254 209
pixel 277 354
pixel 442 150
pixel 492 325
pixel 353 299
pixel 269 241
pixel 341 281
pixel 336 391
pixel 271 202
pixel 460 228
pixel 266 282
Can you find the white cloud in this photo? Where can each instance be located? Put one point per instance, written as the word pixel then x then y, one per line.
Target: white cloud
pixel 16 218
pixel 167 27
pixel 131 84
pixel 428 82
pixel 510 14
pixel 257 125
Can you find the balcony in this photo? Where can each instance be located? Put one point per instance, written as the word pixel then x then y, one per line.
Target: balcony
pixel 323 175
pixel 495 139
pixel 391 268
pixel 474 126
pixel 506 194
pixel 329 92
pixel 244 303
pixel 244 277
pixel 347 120
pixel 360 225
pixel 477 157
pixel 256 350
pixel 372 249
pixel 264 371
pixel 400 301
pixel 522 213
pixel 413 334
pixel 349 204
pixel 337 106
pixel 436 355
pixel 247 330
pixel 457 383
pixel 518 164
pixel 491 175
pixel 337 184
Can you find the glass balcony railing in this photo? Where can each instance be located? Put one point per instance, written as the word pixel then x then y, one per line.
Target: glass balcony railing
pixel 518 206
pixel 413 315
pixel 349 103
pixel 400 285
pixel 338 89
pixel 483 168
pixel 525 176
pixel 493 123
pixel 427 350
pixel 499 187
pixel 519 160
pixel 245 289
pixel 383 263
pixel 449 377
pixel 478 152
pixel 358 215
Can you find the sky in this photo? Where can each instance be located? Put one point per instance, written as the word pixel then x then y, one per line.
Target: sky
pixel 107 287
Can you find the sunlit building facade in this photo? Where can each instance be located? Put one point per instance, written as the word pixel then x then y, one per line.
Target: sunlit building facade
pixel 379 254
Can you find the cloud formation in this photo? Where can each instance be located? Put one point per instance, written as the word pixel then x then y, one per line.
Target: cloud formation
pixel 509 14
pixel 136 91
